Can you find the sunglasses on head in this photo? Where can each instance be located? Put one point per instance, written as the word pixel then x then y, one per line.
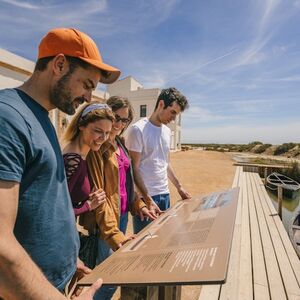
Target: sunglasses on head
pixel 123 120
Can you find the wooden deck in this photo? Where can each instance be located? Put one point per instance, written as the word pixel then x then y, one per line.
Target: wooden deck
pixel 263 263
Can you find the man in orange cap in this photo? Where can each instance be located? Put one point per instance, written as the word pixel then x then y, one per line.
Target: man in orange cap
pixel 38 238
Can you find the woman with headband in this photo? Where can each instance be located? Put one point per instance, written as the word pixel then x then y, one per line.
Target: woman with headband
pixel 87 131
pixel 113 159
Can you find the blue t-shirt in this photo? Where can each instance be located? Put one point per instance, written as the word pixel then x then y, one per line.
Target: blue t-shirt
pixel 30 155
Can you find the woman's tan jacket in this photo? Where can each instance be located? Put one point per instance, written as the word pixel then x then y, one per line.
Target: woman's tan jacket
pixel 104 173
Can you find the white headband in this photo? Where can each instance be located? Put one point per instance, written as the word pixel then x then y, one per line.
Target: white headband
pixel 94 106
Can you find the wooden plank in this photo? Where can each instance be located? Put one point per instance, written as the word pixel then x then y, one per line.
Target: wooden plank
pixel 209 292
pixel 229 290
pixel 280 245
pixel 237 175
pixel 260 282
pixel 276 286
pixel 245 287
pixel 213 291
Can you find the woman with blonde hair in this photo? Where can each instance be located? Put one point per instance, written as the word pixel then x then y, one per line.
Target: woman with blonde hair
pixel 87 131
pixel 111 166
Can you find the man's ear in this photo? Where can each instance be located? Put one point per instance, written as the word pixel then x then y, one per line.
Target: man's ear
pixel 161 104
pixel 59 64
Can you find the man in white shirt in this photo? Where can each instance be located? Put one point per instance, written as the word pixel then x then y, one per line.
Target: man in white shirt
pixel 149 146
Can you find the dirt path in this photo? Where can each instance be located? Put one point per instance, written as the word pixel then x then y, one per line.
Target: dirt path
pixel 202 171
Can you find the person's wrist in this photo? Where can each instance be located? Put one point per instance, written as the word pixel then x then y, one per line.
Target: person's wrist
pixel 148 200
pixel 179 188
pixel 89 204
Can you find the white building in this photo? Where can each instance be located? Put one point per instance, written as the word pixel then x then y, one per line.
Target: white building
pixel 143 102
pixel 14 69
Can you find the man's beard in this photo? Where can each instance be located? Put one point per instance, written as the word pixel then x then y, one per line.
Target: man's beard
pixel 60 96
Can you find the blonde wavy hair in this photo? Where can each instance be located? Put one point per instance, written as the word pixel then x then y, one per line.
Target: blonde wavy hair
pixel 72 130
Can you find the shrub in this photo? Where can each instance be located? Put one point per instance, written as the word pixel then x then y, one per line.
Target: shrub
pixel 284 148
pixel 293 172
pixel 262 148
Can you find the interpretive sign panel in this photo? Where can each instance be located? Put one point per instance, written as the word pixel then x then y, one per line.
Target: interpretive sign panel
pixel 189 244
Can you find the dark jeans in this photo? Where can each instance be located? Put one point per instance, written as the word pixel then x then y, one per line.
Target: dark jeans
pixel 163 202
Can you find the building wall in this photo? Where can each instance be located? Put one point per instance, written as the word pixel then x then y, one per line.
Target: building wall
pixel 137 95
pixel 14 70
pixel 124 86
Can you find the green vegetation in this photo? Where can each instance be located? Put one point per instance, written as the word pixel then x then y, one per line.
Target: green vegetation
pixel 262 148
pixel 227 147
pixel 284 148
pixel 266 161
pixel 249 147
pixel 293 172
pixel 257 147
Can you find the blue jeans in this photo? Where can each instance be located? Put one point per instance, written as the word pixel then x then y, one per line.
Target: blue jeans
pixel 104 251
pixel 162 201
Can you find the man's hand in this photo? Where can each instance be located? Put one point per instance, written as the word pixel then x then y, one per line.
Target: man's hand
pixel 183 193
pixel 90 292
pixel 81 270
pixel 153 207
pixel 144 212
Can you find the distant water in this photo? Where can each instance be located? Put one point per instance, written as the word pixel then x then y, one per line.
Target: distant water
pixel 289 207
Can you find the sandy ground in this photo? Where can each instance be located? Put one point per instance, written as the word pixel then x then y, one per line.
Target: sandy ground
pixel 200 172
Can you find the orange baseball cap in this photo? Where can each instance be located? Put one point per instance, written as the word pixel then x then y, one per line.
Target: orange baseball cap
pixel 72 42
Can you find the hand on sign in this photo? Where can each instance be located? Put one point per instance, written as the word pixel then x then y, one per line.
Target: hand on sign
pixel 153 207
pixel 81 271
pixel 89 293
pixel 183 193
pixel 144 212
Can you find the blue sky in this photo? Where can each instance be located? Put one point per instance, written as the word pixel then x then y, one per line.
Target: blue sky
pixel 237 61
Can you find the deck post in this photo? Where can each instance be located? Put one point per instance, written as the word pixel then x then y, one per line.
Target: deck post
pixel 265 175
pixel 279 196
pixel 172 292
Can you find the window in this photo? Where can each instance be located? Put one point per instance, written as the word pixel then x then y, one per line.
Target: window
pixel 143 111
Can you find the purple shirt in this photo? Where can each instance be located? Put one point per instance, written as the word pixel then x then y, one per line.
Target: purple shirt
pixel 78 182
pixel 123 163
